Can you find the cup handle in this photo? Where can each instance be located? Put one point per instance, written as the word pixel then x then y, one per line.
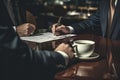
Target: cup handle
pixel 75 49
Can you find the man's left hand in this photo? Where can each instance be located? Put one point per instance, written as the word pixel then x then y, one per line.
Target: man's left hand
pixel 25 29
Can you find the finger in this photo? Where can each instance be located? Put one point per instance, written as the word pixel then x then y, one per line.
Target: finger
pixel 55 31
pixel 61 30
pixel 53 28
pixel 25 33
pixel 30 30
pixel 33 26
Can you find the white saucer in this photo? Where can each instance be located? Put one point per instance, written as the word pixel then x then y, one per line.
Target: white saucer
pixel 93 56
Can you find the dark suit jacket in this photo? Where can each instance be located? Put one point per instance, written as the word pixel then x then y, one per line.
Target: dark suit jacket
pixel 98 22
pixel 17 60
pixel 10 12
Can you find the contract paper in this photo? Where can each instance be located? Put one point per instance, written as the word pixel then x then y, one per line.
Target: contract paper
pixel 44 37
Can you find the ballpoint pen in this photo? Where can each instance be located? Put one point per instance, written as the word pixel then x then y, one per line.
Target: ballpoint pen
pixel 59 32
pixel 114 71
pixel 59 20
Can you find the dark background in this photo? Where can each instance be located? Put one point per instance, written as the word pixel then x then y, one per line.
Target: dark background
pixel 47 12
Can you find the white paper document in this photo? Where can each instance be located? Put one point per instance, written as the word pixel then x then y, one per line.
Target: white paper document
pixel 44 37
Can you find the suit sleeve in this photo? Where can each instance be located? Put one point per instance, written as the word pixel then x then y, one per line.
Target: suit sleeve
pixel 21 60
pixel 90 25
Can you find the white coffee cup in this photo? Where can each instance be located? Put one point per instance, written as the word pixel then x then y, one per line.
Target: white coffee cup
pixel 83 48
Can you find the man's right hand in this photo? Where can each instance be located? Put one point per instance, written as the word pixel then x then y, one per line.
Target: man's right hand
pixel 59 29
pixel 66 48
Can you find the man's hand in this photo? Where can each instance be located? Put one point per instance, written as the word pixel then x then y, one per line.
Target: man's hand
pixel 67 49
pixel 25 29
pixel 59 29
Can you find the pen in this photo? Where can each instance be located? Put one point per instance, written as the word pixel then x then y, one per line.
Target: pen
pixel 58 32
pixel 59 20
pixel 114 71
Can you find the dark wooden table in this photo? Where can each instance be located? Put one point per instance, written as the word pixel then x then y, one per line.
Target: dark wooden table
pixel 105 67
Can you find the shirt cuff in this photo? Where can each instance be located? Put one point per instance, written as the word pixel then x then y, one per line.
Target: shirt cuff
pixel 65 57
pixel 14 27
pixel 71 29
